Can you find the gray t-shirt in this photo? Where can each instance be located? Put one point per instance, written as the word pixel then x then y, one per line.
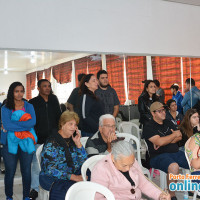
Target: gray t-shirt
pixel 109 98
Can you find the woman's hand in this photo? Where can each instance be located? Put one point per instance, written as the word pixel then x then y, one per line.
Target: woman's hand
pixel 165 196
pixel 77 138
pixel 76 178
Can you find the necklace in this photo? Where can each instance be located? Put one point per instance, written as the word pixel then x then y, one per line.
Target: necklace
pixel 67 141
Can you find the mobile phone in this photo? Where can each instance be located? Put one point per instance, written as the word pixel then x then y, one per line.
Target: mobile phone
pixel 74 134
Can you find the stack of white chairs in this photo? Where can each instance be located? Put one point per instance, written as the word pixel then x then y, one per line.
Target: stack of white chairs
pixel 133 129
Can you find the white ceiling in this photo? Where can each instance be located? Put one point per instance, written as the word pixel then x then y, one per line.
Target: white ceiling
pixel 21 60
pixel 190 2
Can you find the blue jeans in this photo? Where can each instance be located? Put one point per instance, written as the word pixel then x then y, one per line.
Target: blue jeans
pixel 163 161
pixel 35 170
pixel 10 161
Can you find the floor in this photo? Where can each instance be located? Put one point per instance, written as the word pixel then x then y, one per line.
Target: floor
pixel 18 186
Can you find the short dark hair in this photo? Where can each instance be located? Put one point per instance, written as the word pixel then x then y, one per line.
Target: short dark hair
pixel 170 101
pixel 42 80
pixel 192 81
pixel 80 76
pixel 157 82
pixel 174 86
pixel 101 72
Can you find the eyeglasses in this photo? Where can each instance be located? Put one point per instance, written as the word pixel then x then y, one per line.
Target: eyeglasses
pixel 160 111
pixel 109 126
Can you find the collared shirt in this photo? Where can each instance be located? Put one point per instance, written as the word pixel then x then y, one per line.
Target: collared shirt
pixel 95 145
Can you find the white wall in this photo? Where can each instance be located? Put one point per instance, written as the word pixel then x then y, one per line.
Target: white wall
pixel 144 27
pixel 9 78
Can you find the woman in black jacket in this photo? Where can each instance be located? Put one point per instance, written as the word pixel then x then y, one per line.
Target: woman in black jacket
pixel 91 108
pixel 145 100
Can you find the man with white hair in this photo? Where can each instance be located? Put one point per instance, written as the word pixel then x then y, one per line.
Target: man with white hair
pixel 100 142
pixel 121 173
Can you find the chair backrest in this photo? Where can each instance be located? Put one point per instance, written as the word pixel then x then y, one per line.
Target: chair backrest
pixel 118 121
pixel 38 152
pixel 89 164
pixel 84 140
pixel 86 190
pixel 128 137
pixel 131 128
pixel 187 159
pixel 135 121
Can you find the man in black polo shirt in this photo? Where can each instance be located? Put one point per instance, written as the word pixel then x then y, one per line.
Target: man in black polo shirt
pixel 100 142
pixel 48 112
pixel 162 137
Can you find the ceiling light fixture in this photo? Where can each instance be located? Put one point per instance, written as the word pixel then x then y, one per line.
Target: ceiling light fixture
pixel 6 60
pixel 5 72
pixel 33 57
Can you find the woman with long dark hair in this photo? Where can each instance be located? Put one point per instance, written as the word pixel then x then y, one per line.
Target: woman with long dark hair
pixel 191 128
pixel 145 100
pixel 17 135
pixel 189 125
pixel 91 108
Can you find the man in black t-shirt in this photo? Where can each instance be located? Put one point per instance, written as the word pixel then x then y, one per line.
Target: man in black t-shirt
pixel 162 137
pixel 107 94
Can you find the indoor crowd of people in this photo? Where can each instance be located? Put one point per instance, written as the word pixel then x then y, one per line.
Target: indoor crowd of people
pixel 169 130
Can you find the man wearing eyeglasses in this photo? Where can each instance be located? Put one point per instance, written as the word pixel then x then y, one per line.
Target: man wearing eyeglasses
pixel 162 137
pixel 100 142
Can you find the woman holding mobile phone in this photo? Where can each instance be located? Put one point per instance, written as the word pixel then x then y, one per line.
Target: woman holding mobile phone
pixel 62 157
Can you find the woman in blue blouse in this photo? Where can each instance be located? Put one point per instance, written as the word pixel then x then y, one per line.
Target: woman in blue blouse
pixel 62 157
pixel 15 102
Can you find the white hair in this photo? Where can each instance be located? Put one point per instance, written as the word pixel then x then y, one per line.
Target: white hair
pixel 122 148
pixel 106 116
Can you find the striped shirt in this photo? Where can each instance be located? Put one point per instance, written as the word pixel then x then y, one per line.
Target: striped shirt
pixel 95 145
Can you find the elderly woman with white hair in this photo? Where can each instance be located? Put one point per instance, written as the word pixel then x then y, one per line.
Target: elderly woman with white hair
pixel 121 173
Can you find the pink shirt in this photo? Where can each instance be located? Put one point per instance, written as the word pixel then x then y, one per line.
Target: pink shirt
pixel 105 173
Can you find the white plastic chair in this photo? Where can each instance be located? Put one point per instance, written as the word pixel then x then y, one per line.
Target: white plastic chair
pixel 196 192
pixel 89 164
pixel 86 190
pixel 118 120
pixel 43 194
pixel 129 137
pixel 131 128
pixel 84 140
pixel 135 121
